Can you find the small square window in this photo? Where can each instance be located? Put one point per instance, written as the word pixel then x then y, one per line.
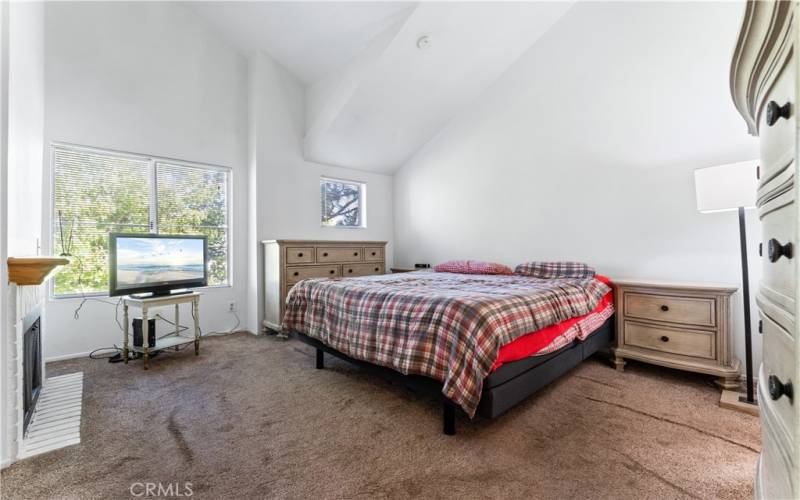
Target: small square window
pixel 343 203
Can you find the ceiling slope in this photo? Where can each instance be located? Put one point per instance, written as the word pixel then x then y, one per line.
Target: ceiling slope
pixel 381 107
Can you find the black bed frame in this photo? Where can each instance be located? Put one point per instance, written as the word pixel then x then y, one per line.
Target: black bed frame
pixel 504 388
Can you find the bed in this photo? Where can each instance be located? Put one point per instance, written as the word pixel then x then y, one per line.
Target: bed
pixel 482 343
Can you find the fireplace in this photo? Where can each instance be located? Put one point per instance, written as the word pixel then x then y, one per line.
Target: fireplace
pixel 31 365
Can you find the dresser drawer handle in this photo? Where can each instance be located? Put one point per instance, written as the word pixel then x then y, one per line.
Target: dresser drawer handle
pixel 664 307
pixel 376 269
pixel 775 250
pixel 355 254
pixel 775 112
pixel 778 388
pixel 296 273
pixel 325 254
pixel 373 254
pixel 664 338
pixel 349 270
pixel 300 254
pixel 332 271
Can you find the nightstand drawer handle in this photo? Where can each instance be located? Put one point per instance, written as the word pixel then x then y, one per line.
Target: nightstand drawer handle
pixel 373 254
pixel 355 254
pixel 349 270
pixel 376 269
pixel 664 307
pixel 664 338
pixel 296 273
pixel 300 254
pixel 778 388
pixel 325 254
pixel 332 271
pixel 775 250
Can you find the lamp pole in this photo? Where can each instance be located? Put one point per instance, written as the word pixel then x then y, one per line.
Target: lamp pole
pixel 748 343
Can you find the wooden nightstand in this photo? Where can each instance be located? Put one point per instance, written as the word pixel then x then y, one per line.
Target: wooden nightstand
pixel 678 325
pixel 402 269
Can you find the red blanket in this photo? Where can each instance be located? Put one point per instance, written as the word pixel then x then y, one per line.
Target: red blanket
pixel 554 337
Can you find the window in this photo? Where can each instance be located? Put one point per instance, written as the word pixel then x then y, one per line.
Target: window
pixel 343 203
pixel 98 192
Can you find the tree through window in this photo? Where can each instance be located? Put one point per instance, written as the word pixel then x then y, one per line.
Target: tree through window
pixel 343 203
pixel 97 192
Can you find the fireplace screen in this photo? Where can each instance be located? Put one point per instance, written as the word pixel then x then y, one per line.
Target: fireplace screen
pixel 32 369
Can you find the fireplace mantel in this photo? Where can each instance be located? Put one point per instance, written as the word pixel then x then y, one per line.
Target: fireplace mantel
pixel 32 270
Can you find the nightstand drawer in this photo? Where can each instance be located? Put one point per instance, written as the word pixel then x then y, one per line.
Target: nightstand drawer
pixel 683 310
pixel 695 343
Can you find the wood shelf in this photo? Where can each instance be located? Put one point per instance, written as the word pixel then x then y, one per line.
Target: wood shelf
pixel 32 270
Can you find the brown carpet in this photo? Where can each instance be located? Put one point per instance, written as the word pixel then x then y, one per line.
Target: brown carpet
pixel 252 418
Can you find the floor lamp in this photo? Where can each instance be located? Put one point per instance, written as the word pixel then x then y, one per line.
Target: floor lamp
pixel 721 189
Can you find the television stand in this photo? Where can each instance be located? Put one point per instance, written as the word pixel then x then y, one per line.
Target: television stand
pixel 150 295
pixel 172 340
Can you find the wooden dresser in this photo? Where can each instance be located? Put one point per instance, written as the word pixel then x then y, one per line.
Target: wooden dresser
pixel 678 325
pixel 288 261
pixel 764 86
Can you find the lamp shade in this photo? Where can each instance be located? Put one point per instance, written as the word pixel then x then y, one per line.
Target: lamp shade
pixel 726 187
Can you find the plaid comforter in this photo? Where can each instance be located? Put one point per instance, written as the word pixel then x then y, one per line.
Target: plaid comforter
pixel 445 326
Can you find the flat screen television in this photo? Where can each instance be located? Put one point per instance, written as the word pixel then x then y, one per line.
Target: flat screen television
pixel 156 263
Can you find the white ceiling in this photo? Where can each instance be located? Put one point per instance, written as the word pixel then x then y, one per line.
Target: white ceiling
pixel 386 104
pixel 310 39
pixel 372 97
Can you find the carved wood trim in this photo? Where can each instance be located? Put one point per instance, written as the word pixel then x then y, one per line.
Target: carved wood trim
pixel 763 46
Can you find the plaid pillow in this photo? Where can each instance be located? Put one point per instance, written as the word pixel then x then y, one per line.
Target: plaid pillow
pixel 552 270
pixel 472 267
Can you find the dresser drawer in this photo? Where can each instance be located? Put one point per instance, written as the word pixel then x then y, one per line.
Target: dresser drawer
pixel 295 274
pixel 694 343
pixel 683 310
pixel 777 447
pixel 777 140
pixel 778 361
pixel 339 254
pixel 300 255
pixel 349 270
pixel 779 224
pixel 373 254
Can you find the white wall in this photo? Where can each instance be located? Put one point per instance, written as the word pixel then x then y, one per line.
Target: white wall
pixel 585 149
pixel 147 78
pixel 21 129
pixel 284 187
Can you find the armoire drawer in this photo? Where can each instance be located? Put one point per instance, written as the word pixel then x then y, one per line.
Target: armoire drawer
pixel 778 361
pixel 699 311
pixel 777 140
pixel 351 270
pixel 295 274
pixel 776 461
pixel 778 228
pixel 338 254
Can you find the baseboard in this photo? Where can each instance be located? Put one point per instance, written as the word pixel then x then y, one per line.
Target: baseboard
pixel 86 354
pixel 5 463
pixel 67 356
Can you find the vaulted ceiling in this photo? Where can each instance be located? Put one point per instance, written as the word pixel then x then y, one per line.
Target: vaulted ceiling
pixel 382 79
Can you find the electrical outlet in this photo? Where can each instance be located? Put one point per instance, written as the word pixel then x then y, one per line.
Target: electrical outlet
pixel 231 305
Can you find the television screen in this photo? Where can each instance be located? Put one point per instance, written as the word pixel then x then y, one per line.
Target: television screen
pixel 156 263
